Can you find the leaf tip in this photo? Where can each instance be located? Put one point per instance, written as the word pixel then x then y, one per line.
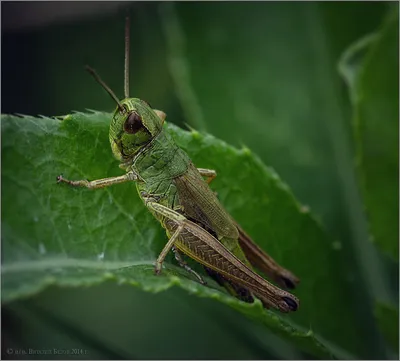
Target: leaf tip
pixel 246 151
pixel 195 134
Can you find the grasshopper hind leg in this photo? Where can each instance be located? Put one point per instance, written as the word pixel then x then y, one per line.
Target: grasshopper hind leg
pixel 239 292
pixel 235 290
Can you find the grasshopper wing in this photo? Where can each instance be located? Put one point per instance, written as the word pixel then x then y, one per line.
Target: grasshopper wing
pixel 201 205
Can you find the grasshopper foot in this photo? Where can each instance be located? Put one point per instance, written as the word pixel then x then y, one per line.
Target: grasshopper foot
pixel 157 268
pixel 79 183
pixel 202 281
pixel 61 179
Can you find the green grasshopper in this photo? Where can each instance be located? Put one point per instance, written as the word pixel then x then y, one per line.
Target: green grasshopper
pixel 178 196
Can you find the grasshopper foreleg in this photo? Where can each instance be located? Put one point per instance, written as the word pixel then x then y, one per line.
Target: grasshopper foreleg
pixel 184 265
pixel 99 183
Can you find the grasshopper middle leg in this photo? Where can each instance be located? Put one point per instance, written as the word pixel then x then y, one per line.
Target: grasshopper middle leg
pixel 184 265
pixel 167 248
pixel 172 215
pixel 181 221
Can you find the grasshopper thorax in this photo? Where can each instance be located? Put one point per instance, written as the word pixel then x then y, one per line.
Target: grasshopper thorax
pixel 133 126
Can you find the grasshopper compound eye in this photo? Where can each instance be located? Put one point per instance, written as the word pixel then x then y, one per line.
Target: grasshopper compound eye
pixel 133 123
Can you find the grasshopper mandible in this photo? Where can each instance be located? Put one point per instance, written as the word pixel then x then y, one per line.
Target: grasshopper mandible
pixel 178 196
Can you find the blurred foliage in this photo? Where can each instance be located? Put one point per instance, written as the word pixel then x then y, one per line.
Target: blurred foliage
pixel 388 321
pixel 373 80
pixel 260 74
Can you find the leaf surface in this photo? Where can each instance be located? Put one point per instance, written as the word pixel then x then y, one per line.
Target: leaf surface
pixel 53 234
pixel 371 69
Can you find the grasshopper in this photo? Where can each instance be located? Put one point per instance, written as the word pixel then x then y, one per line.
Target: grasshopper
pixel 178 196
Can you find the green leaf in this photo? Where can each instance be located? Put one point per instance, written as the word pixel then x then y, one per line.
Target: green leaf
pixel 134 322
pixel 371 69
pixel 274 87
pixel 56 235
pixel 388 321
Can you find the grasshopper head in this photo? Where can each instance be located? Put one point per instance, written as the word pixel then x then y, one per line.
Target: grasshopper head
pixel 134 124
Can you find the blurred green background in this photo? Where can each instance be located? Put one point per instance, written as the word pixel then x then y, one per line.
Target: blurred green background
pixel 262 74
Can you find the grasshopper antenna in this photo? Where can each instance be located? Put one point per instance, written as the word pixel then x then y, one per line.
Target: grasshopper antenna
pixel 127 28
pixel 105 86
